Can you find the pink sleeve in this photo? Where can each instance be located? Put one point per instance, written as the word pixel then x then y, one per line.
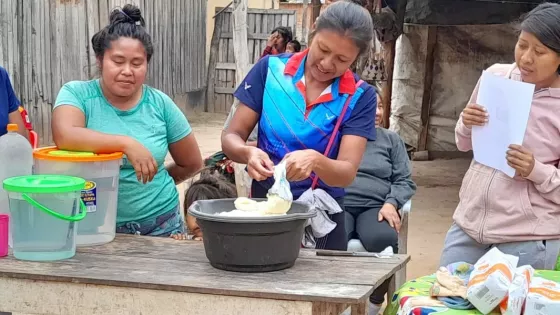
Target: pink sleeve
pixel 462 132
pixel 546 179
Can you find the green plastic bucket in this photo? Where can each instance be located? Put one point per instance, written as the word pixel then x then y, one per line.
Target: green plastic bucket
pixel 44 211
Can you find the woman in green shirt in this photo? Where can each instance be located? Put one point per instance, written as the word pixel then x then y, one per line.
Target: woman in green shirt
pixel 119 113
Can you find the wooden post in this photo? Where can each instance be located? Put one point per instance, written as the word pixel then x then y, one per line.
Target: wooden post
pixel 211 72
pixel 427 94
pixel 389 57
pixel 305 23
pixel 315 10
pixel 240 51
pixel 240 47
pixel 390 62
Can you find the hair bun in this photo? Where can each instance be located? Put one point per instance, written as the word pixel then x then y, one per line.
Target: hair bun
pixel 130 14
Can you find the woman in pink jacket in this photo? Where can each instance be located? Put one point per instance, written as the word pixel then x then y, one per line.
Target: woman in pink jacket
pixel 520 215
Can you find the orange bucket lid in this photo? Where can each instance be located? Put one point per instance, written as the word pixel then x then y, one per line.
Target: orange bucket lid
pixel 54 154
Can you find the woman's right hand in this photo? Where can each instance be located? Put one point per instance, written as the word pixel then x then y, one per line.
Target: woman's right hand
pixel 141 159
pixel 272 39
pixel 474 115
pixel 259 165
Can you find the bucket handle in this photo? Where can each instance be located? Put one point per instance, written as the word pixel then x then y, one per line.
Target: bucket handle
pixel 78 217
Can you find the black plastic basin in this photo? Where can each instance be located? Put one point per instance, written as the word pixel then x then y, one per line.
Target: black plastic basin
pixel 250 244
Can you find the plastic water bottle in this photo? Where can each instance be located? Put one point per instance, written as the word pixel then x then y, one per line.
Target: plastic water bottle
pixel 16 159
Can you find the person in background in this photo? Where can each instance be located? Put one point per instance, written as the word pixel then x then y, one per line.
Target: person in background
pixel 208 187
pixel 9 106
pixel 294 46
pixel 521 215
pixel 382 186
pixel 277 41
pixel 119 113
pixel 297 99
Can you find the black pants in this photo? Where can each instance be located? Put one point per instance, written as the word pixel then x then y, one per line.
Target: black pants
pixel 336 240
pixel 363 224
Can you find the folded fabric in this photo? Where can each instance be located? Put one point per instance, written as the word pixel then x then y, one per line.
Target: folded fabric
pixel 321 224
pixel 450 286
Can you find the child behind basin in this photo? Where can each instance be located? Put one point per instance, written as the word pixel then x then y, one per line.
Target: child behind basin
pixel 208 187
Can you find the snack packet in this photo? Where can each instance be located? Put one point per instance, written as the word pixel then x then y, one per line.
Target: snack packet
pixel 543 297
pixel 517 293
pixel 490 280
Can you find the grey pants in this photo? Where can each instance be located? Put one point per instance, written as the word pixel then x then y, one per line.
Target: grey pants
pixel 459 247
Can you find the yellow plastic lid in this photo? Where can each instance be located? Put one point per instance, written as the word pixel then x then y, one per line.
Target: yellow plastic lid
pixel 54 154
pixel 12 127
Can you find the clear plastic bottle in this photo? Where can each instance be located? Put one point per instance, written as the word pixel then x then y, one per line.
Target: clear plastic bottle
pixel 16 159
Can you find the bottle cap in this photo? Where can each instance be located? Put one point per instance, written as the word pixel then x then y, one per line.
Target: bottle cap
pixel 12 127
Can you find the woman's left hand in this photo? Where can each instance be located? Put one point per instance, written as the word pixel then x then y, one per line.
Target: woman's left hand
pixel 300 164
pixel 389 212
pixel 521 159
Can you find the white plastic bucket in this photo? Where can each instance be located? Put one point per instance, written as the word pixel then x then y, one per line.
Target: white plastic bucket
pixel 101 172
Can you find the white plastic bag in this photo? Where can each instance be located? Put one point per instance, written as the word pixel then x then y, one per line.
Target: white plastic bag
pixel 281 186
pixel 517 293
pixel 543 297
pixel 490 280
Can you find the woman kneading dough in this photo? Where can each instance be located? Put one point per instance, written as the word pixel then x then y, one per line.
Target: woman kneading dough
pixel 297 100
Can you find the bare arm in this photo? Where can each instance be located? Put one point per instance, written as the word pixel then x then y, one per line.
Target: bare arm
pixel 15 118
pixel 342 171
pixel 70 133
pixel 234 138
pixel 187 159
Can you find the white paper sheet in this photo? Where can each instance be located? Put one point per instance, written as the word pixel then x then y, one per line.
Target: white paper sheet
pixel 508 103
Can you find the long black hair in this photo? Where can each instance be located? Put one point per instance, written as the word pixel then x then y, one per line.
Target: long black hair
pixel 125 22
pixel 348 19
pixel 544 22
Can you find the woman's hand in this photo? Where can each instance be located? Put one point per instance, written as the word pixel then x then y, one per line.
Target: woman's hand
pixel 389 212
pixel 521 159
pixel 179 237
pixel 272 40
pixel 142 160
pixel 474 115
pixel 300 164
pixel 259 165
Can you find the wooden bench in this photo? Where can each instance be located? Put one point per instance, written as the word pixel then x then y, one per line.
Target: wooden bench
pixel 149 275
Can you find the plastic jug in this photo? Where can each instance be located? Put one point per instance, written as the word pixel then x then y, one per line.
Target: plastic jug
pixel 16 159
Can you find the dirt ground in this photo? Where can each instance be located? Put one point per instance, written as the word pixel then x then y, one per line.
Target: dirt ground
pixel 432 207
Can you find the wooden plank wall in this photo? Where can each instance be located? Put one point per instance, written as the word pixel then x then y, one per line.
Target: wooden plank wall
pixel 221 78
pixel 46 43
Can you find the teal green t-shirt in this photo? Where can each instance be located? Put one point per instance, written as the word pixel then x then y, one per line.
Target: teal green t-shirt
pixel 155 122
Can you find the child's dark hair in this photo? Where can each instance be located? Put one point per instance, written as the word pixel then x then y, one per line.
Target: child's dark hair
pixel 209 187
pixel 296 44
pixel 125 22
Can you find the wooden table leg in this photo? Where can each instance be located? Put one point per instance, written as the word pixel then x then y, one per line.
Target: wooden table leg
pixel 360 309
pixel 325 308
pixel 392 287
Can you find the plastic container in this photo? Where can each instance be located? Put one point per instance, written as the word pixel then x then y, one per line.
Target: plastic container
pixel 4 232
pixel 101 172
pixel 44 211
pixel 16 159
pixel 250 244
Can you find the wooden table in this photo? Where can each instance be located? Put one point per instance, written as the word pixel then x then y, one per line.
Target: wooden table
pixel 148 275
